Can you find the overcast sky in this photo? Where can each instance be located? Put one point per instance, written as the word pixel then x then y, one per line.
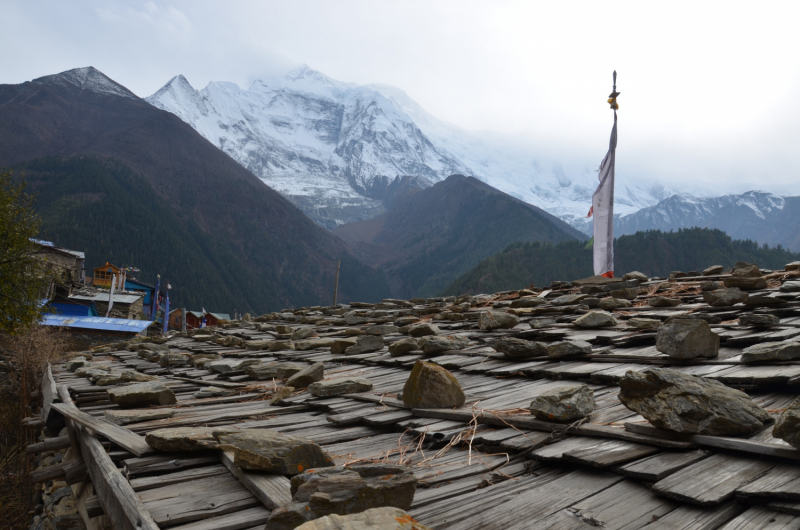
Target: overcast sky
pixel 710 90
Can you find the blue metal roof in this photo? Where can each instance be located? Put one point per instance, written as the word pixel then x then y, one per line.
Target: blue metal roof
pixel 96 323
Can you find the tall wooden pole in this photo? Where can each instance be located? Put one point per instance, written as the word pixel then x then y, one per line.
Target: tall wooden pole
pixel 336 283
pixel 183 319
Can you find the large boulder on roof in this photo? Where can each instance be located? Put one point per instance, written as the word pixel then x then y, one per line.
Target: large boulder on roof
pixel 515 348
pixel 273 452
pixel 431 386
pixel 342 385
pixel 344 490
pixel 788 425
pixel 564 404
pixel 725 297
pixel 489 320
pixel 687 338
pixel 772 351
pixel 685 403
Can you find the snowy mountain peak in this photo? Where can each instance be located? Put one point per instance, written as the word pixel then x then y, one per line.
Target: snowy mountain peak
pixel 87 78
pixel 332 147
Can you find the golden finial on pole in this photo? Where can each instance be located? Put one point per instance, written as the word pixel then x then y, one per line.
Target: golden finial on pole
pixel 612 98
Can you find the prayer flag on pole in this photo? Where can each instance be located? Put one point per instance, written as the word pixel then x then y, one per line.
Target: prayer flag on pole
pixel 166 311
pixel 603 203
pixel 111 294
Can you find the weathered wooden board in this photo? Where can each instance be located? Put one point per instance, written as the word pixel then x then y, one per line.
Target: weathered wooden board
pixel 759 518
pixel 242 520
pixel 712 480
pixel 654 468
pixel 197 499
pixel 782 481
pixel 609 453
pixel 124 438
pixel 272 490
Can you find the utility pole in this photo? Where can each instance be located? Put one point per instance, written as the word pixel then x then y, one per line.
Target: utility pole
pixel 336 283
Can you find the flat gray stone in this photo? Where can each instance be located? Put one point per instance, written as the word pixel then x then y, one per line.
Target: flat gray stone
pixel 272 451
pixel 382 329
pixel 343 385
pixel 564 404
pixel 212 391
pixel 340 345
pixel 759 320
pixel 142 395
pixel 365 344
pixel 725 297
pixel 268 371
pixel 595 320
pixel 312 344
pixel 643 323
pixel 497 320
pixel 306 376
pixel 663 301
pixel 635 275
pixel 567 348
pixel 711 286
pixel 687 339
pixel 403 346
pixel 230 365
pixel 124 417
pixel 713 270
pixel 686 403
pixel 745 283
pixel 787 427
pixel 423 330
pixel 771 351
pixel 184 438
pixel 568 299
pixel 611 303
pixel 174 359
pixel 514 348
pixel 440 343
pixel 528 301
pixel 303 333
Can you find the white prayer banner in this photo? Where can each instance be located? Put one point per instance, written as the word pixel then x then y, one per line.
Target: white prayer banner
pixel 111 294
pixel 603 211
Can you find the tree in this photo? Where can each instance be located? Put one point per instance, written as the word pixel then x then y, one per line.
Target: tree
pixel 24 278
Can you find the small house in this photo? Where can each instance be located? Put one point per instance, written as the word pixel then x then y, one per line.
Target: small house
pixel 194 319
pixel 103 275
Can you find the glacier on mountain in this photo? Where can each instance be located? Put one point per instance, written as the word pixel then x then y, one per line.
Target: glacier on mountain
pixel 333 148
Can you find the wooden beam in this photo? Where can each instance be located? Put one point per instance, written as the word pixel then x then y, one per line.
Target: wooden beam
pixel 51 444
pixel 128 440
pixel 272 490
pixel 529 422
pixel 719 442
pixel 118 499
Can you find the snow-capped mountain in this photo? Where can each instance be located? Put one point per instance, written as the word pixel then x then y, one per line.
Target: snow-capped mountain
pixel 333 147
pixel 755 215
pixel 87 78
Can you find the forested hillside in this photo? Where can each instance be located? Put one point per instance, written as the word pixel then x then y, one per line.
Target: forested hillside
pixel 105 209
pixel 228 240
pixel 654 253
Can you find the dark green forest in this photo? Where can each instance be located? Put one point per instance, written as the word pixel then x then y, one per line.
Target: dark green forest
pixel 102 207
pixel 654 253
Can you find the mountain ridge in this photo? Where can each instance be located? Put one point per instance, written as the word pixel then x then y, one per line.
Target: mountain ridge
pixel 322 142
pixel 283 257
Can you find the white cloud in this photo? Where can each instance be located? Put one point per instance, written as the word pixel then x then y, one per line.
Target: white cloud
pixel 708 88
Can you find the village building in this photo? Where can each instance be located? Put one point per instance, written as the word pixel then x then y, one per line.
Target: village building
pixel 126 305
pixel 103 275
pixel 194 319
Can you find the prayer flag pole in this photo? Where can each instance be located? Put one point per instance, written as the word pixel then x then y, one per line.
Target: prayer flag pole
pixel 603 202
